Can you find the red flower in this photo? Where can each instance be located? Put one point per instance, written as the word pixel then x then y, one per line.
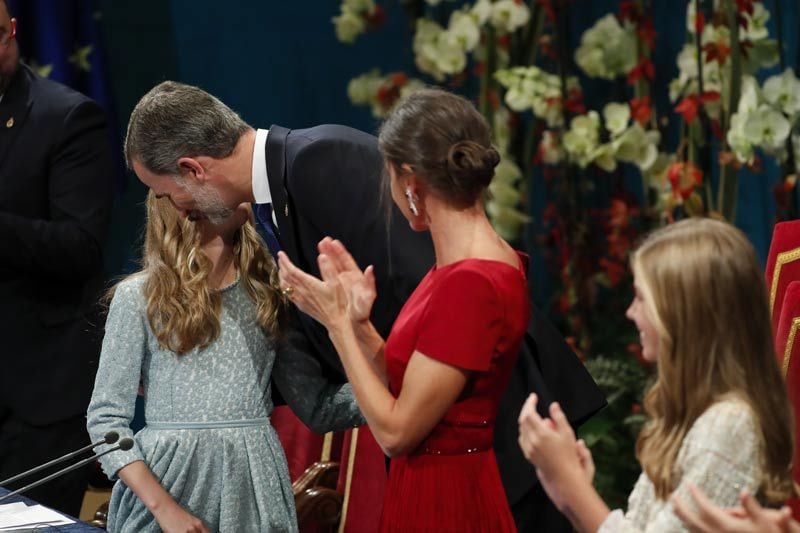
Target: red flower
pixel 690 105
pixel 398 78
pixel 684 176
pixel 717 51
pixel 647 32
pixel 618 213
pixel 699 22
pixel 641 110
pixel 614 271
pixel 745 6
pixel 574 103
pixel 389 90
pixel 644 68
pixel 376 19
pixel 629 10
pixel 549 10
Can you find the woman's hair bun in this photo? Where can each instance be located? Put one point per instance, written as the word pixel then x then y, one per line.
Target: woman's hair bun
pixel 471 165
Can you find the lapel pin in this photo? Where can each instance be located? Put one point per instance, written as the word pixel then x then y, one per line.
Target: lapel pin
pixel 10 123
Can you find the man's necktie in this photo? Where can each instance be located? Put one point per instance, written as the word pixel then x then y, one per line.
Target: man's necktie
pixel 268 231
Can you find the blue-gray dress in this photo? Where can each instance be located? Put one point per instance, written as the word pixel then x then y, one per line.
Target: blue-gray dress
pixel 208 438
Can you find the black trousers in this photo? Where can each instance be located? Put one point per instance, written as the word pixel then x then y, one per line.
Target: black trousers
pixel 23 446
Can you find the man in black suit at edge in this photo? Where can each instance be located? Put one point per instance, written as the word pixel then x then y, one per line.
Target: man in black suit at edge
pixel 326 181
pixel 55 202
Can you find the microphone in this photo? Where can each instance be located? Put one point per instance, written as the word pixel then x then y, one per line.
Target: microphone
pixel 110 438
pixel 124 445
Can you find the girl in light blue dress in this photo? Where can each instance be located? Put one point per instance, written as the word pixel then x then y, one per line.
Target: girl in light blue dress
pixel 201 327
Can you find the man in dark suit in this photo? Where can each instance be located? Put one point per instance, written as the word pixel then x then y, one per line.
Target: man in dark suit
pixel 326 181
pixel 55 199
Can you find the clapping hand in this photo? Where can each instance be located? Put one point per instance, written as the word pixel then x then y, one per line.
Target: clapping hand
pixel 344 292
pixel 749 518
pixel 549 443
pixel 359 286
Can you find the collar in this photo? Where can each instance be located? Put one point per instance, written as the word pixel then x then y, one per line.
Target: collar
pixel 261 192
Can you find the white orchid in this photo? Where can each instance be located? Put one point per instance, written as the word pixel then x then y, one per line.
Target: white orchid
pixel 616 117
pixel 358 6
pixel 603 157
pixel 638 146
pixel 550 148
pixel 756 27
pixel 482 11
pixel 424 47
pixel 607 49
pixel 349 25
pixel 464 26
pixel 505 197
pixel 507 171
pixel 767 128
pixel 783 92
pixel 508 15
pixel 501 128
pixel 738 140
pixel 362 90
pixel 534 89
pixel 581 140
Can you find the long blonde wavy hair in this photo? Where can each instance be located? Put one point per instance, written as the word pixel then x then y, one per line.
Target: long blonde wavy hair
pixel 706 297
pixel 182 308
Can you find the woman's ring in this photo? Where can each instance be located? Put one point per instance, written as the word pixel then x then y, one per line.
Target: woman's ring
pixel 287 291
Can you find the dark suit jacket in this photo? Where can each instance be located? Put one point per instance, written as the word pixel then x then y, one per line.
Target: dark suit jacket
pixel 325 181
pixel 55 199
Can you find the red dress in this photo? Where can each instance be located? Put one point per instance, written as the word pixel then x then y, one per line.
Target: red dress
pixel 471 314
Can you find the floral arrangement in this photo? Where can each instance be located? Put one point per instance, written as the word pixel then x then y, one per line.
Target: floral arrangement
pixel 513 57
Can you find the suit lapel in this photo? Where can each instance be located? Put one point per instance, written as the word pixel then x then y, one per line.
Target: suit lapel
pixel 14 110
pixel 278 188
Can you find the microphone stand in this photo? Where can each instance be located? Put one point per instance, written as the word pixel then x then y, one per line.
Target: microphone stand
pixel 110 438
pixel 124 445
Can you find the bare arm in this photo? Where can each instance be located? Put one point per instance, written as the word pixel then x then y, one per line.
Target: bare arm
pixel 562 465
pixel 169 515
pixel 429 388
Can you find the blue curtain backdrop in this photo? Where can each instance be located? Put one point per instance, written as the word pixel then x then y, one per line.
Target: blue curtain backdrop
pixel 280 62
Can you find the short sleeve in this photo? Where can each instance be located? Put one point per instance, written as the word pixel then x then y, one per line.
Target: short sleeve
pixel 462 322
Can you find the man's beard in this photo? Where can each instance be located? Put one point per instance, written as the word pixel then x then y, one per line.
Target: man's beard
pixel 209 204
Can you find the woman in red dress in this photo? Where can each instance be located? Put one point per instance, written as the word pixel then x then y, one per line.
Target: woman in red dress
pixel 430 393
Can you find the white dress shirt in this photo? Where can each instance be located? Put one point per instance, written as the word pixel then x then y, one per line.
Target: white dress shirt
pixel 261 192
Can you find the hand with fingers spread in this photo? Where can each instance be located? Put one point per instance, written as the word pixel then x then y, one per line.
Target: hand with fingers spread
pixel 549 443
pixel 359 286
pixel 324 299
pixel 749 518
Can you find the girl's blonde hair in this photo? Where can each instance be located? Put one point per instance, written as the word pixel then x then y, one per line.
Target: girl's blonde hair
pixel 182 309
pixel 705 295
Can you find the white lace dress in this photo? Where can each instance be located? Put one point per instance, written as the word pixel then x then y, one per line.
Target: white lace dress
pixel 721 455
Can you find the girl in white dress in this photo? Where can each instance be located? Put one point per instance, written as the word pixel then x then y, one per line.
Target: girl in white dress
pixel 719 414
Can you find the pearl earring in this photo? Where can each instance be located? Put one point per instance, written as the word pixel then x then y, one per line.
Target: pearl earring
pixel 411 205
